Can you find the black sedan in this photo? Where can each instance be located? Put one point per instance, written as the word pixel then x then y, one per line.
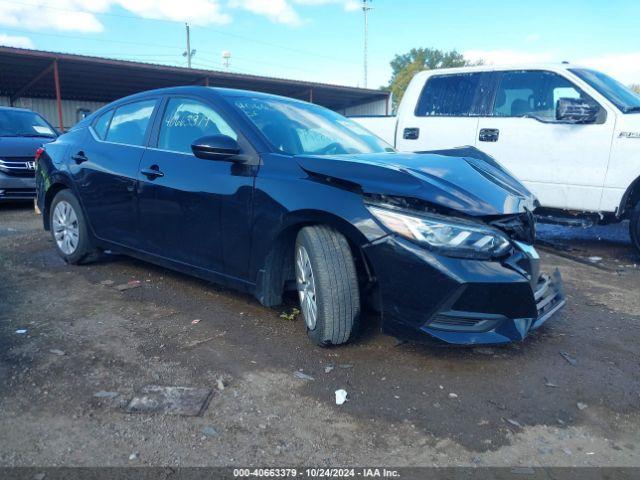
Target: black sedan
pixel 266 194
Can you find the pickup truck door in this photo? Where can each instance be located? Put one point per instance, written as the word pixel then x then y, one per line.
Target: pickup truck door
pixel 563 164
pixel 193 211
pixel 443 113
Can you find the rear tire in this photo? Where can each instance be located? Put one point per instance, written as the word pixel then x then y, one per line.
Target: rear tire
pixel 69 228
pixel 327 285
pixel 634 227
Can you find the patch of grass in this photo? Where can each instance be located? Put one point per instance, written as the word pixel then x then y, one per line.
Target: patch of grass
pixel 291 316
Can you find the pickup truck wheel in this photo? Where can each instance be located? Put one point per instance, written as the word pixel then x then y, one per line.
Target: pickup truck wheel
pixel 327 285
pixel 634 227
pixel 68 228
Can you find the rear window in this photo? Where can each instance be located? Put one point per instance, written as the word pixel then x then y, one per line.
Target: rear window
pixel 449 95
pixel 129 123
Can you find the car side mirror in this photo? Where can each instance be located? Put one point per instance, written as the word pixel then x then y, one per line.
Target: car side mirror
pixel 576 110
pixel 216 147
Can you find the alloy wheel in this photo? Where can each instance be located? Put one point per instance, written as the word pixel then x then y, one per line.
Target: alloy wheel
pixel 306 287
pixel 66 230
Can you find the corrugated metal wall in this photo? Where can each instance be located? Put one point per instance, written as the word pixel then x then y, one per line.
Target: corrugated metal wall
pixel 378 107
pixel 48 109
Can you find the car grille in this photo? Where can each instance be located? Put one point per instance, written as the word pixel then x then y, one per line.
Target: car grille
pixel 18 166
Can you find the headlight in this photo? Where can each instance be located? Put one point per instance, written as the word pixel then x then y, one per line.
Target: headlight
pixel 455 238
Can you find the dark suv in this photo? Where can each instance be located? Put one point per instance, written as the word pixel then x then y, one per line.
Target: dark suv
pixel 22 132
pixel 265 194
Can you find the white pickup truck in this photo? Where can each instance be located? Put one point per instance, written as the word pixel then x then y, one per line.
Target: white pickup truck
pixel 570 134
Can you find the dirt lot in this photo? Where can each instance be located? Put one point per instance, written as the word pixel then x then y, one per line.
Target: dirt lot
pixel 524 404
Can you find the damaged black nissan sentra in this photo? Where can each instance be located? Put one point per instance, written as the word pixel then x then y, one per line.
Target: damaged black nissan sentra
pixel 267 194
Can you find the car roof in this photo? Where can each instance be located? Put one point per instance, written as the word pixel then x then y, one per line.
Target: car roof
pixel 199 90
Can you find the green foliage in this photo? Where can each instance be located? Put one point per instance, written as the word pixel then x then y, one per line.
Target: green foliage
pixel 405 66
pixel 291 316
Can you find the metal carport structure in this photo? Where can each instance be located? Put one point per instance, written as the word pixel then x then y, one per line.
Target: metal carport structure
pixel 66 77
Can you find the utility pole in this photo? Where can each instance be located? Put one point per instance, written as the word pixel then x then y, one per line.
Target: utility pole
pixel 189 53
pixel 365 10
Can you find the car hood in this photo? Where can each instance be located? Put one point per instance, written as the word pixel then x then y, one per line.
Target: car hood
pixel 462 179
pixel 21 146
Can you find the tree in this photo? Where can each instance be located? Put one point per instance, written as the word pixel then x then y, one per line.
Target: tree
pixel 404 67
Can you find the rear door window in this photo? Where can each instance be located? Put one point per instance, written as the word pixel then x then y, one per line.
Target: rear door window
pixel 130 122
pixel 451 95
pixel 101 125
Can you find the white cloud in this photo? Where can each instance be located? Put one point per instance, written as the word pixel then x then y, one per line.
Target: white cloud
pixel 15 41
pixel 506 57
pixel 624 67
pixel 283 11
pixel 60 17
pixel 196 12
pixel 349 5
pixel 80 15
pixel 278 11
pixel 83 15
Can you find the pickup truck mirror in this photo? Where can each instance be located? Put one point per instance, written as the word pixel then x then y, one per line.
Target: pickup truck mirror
pixel 216 147
pixel 576 110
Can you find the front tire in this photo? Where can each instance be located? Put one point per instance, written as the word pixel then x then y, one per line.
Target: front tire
pixel 634 227
pixel 69 228
pixel 327 285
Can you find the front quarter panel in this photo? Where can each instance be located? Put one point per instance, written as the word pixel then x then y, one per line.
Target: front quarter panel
pixel 286 197
pixel 624 165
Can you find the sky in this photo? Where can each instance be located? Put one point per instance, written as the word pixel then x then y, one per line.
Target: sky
pixel 322 40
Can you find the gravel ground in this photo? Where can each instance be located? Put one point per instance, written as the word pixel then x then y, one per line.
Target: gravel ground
pixel 524 404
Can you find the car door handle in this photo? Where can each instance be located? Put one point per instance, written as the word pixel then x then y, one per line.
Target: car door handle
pixel 79 157
pixel 489 135
pixel 152 172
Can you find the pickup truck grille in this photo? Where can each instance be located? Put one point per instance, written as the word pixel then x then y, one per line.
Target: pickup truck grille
pixel 18 166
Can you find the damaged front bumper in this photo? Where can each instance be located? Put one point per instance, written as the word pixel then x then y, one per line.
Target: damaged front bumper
pixel 427 296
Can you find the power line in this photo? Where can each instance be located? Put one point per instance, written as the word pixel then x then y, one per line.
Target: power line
pixel 76 37
pixel 156 55
pixel 174 22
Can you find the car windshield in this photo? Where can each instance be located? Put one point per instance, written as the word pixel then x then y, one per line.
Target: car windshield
pixel 621 96
pixel 20 123
pixel 298 128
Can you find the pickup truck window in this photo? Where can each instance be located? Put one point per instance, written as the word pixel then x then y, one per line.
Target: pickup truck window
pixel 449 95
pixel 621 96
pixel 533 93
pixel 299 128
